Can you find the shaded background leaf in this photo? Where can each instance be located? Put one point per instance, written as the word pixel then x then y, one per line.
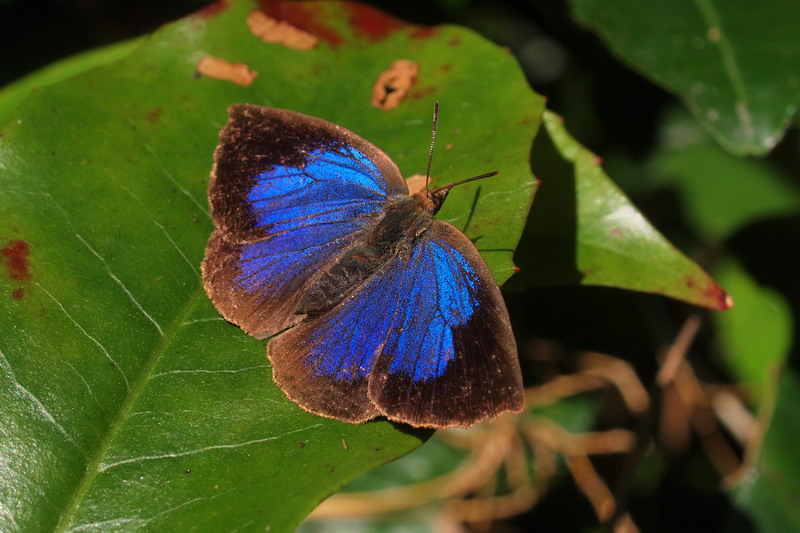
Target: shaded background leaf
pixel 734 64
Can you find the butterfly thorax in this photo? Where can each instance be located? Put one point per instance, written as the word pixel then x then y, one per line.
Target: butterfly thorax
pixel 406 218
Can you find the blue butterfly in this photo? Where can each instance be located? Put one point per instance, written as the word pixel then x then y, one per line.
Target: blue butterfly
pixel 379 310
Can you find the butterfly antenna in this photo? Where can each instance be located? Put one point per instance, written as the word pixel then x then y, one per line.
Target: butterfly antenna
pixel 473 178
pixel 433 142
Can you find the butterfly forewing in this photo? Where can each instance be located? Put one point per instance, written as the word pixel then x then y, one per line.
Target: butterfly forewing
pixel 288 193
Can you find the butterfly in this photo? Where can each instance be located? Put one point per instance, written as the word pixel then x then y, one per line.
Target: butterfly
pixel 376 308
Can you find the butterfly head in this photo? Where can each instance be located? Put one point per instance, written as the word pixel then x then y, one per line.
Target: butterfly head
pixel 432 199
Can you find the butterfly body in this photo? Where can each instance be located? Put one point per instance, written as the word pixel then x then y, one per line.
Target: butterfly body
pixel 407 218
pixel 381 309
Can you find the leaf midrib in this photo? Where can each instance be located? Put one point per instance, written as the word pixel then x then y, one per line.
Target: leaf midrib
pixel 93 466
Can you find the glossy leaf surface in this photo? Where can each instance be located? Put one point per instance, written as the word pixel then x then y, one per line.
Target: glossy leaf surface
pixel 128 403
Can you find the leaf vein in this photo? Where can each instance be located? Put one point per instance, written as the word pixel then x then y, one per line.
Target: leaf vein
pixel 172 455
pixel 40 407
pixel 88 336
pixel 122 285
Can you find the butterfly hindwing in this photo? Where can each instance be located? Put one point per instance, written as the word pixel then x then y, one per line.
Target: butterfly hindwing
pixel 288 194
pixel 463 354
pixel 426 341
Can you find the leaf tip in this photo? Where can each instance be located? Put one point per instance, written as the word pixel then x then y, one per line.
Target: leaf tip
pixel 711 295
pixel 722 301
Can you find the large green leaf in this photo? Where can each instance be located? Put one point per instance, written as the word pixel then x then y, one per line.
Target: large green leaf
pixel 734 63
pixel 127 402
pixel 585 230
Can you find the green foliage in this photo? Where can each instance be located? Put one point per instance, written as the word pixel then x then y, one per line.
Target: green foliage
pixel 734 63
pixel 584 230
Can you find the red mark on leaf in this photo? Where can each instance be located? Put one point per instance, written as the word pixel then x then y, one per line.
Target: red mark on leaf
pixel 423 32
pixel 212 9
pixel 455 41
pixel 18 293
pixel 15 256
pixel 301 16
pixel 714 297
pixel 370 23
pixel 616 231
pixel 722 300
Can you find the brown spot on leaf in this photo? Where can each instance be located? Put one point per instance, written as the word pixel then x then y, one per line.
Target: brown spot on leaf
pixel 417 94
pixel 301 16
pixel 15 256
pixel 275 31
pixel 370 23
pixel 393 84
pixel 446 68
pixel 455 41
pixel 154 114
pixel 18 293
pixel 219 69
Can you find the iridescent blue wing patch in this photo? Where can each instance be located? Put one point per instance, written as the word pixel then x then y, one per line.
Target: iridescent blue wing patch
pixel 426 340
pixel 289 194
